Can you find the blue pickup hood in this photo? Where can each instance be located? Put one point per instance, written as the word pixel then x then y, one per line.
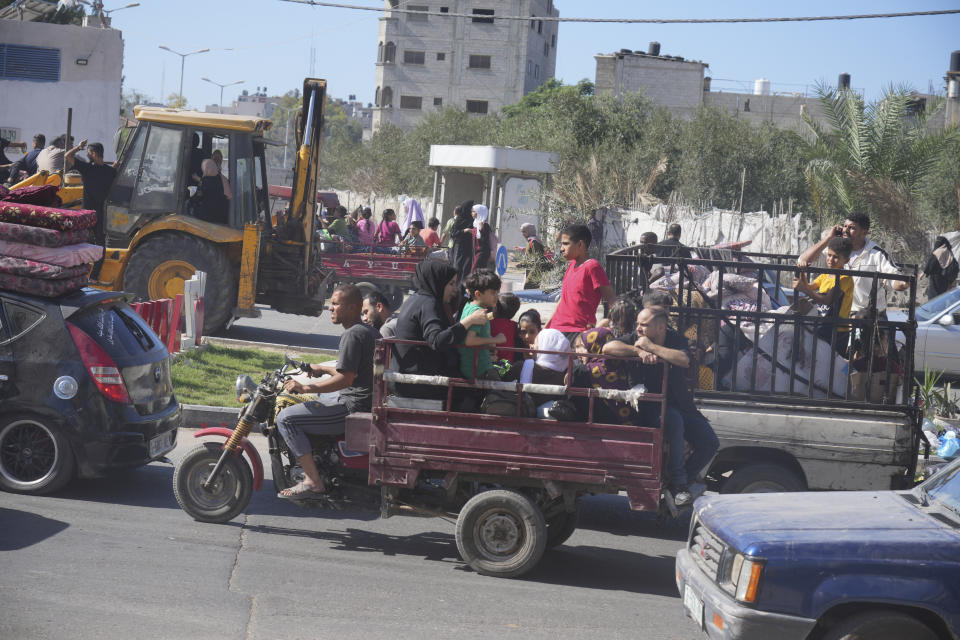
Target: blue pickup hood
pixel 830 524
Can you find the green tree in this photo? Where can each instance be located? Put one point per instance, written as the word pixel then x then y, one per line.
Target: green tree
pixel 176 101
pixel 874 157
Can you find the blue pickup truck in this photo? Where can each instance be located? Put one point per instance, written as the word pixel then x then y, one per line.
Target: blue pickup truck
pixel 877 565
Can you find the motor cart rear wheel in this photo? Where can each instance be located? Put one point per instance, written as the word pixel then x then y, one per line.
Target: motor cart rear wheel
pixel 35 457
pixel 228 496
pixel 880 625
pixel 762 478
pixel 560 527
pixel 501 533
pixel 160 265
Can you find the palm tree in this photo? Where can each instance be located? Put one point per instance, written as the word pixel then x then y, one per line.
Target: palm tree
pixel 872 157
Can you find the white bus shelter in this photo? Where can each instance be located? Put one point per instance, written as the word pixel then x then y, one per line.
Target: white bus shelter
pixel 493 176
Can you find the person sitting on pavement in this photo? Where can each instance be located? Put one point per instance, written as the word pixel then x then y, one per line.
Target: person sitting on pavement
pixel 428 316
pixel 656 345
pixel 352 377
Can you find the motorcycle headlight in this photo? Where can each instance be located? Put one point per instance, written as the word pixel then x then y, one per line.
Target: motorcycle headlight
pixel 745 573
pixel 245 385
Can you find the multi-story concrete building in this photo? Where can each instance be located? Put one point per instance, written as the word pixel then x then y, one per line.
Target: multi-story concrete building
pixel 47 68
pixel 472 59
pixel 682 87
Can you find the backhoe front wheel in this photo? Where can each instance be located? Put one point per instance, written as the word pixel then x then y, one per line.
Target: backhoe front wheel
pixel 162 263
pixel 227 496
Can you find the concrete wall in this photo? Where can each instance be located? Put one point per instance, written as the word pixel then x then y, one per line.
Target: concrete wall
pixel 674 84
pixel 782 111
pixel 519 63
pixel 92 90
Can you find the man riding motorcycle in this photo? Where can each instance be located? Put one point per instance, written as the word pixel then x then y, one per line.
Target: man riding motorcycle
pixel 352 377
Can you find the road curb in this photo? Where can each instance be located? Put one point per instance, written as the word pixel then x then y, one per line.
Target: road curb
pixel 267 346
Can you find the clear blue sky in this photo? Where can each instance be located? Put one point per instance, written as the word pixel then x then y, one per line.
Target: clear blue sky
pixel 271 42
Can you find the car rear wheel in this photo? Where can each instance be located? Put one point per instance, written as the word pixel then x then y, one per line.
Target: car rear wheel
pixel 35 457
pixel 501 533
pixel 162 263
pixel 763 478
pixel 880 625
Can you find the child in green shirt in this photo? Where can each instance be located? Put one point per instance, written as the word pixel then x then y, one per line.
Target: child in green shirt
pixel 483 285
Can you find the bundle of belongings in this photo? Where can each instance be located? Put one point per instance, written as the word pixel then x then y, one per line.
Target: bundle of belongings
pixel 44 250
pixel 772 358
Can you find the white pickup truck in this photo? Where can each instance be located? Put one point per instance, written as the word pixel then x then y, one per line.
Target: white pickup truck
pixel 790 412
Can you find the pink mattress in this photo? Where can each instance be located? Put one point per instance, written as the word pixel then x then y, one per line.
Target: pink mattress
pixel 33 215
pixel 41 287
pixel 70 255
pixel 41 237
pixel 42 270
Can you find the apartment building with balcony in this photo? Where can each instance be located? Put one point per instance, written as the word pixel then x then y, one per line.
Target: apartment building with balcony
pixel 464 53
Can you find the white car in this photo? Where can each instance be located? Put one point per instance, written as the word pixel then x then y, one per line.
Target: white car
pixel 938 334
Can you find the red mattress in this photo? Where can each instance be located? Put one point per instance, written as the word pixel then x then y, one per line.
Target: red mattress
pixel 44 195
pixel 41 287
pixel 41 237
pixel 46 217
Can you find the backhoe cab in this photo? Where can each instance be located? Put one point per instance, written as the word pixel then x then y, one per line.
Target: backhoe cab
pixel 155 241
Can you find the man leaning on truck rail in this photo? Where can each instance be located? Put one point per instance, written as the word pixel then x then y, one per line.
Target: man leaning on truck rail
pixel 867 255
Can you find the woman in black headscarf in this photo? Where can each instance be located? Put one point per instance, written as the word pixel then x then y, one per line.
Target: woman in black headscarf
pixel 941 268
pixel 427 316
pixel 461 234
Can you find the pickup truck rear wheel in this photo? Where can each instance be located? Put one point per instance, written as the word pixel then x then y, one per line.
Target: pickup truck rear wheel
pixel 880 625
pixel 501 533
pixel 763 478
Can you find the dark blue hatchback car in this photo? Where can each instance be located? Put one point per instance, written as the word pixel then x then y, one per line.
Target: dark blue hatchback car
pixel 880 565
pixel 84 388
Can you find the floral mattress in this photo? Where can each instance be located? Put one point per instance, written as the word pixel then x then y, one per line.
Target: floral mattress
pixel 46 217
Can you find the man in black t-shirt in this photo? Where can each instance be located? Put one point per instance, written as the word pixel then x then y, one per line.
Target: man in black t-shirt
pixel 97 180
pixel 671 247
pixel 656 344
pixel 352 377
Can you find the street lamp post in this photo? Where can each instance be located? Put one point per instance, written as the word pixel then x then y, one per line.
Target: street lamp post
pixel 291 111
pixel 229 84
pixel 183 58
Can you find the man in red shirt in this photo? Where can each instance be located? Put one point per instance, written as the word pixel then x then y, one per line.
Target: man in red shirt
pixel 585 284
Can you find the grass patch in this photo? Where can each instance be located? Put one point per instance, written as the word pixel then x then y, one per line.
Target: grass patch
pixel 207 377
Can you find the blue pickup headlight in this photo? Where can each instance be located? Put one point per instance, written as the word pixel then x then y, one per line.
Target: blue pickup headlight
pixel 745 574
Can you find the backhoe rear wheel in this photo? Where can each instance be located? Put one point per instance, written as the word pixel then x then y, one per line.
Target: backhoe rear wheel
pixel 162 263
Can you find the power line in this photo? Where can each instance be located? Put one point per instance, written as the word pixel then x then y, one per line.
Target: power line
pixel 861 16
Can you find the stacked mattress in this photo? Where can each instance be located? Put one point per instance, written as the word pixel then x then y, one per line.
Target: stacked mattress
pixel 44 251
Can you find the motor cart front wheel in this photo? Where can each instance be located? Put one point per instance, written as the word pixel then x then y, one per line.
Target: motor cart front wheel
pixel 226 498
pixel 501 533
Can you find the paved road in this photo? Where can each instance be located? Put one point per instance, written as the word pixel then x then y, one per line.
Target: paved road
pixel 117 558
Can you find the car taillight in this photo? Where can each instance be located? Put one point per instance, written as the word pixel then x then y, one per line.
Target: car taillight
pixel 101 366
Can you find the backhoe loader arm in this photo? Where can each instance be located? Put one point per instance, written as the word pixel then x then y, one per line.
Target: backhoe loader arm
pixel 306 167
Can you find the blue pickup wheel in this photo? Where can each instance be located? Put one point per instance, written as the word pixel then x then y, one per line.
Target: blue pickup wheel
pixel 880 625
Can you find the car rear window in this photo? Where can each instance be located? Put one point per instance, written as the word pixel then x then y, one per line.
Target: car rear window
pixel 117 328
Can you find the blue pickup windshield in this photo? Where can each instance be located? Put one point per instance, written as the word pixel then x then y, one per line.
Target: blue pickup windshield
pixel 945 487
